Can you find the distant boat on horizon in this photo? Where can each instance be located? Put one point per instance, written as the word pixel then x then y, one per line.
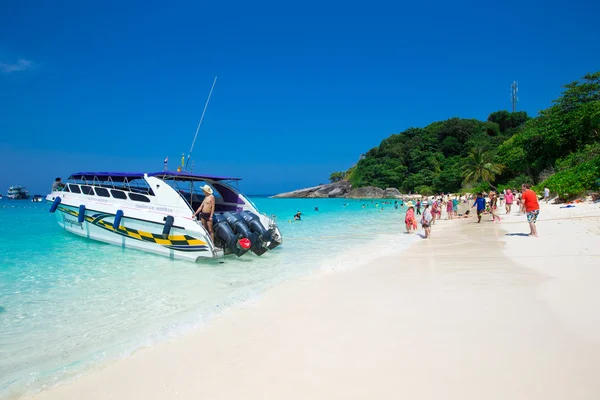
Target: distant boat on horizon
pixel 18 192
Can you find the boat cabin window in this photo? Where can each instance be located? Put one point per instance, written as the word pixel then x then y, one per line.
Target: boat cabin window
pixel 117 194
pixel 87 190
pixel 130 184
pixel 101 192
pixel 66 188
pixel 139 197
pixel 74 188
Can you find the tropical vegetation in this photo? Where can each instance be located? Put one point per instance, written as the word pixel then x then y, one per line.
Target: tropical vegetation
pixel 560 149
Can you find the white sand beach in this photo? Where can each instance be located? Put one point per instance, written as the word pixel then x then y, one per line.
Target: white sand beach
pixel 477 312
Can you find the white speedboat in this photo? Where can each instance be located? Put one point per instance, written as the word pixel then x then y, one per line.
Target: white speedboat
pixel 17 193
pixel 154 212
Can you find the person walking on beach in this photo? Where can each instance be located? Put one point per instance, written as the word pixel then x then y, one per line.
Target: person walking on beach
pixel 449 208
pixel 531 207
pixel 434 211
pixel 426 219
pixel 509 200
pixel 455 206
pixel 494 206
pixel 409 218
pixel 546 195
pixel 418 207
pixel 480 203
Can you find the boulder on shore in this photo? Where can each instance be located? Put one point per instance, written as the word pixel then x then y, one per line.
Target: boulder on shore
pixel 367 192
pixel 391 193
pixel 342 189
pixel 336 189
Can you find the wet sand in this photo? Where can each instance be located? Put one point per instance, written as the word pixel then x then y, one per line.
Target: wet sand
pixel 473 313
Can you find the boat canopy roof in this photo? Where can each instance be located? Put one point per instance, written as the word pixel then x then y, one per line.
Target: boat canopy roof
pixel 128 176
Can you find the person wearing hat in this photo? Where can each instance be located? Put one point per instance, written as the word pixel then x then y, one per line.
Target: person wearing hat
pixel 426 219
pixel 206 210
pixel 409 218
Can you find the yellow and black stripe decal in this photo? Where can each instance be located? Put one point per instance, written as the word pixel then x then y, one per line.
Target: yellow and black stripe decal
pixel 176 242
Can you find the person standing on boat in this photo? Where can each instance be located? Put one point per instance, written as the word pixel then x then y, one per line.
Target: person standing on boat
pixel 57 184
pixel 206 210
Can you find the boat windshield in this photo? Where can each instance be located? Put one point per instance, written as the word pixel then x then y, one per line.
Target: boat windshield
pixel 135 184
pixel 226 197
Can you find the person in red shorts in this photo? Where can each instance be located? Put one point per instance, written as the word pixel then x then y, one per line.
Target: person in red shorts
pixel 529 204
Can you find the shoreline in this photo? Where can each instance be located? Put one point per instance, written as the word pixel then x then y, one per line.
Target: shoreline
pixel 470 308
pixel 359 246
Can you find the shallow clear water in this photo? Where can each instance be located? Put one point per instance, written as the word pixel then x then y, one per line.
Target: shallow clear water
pixel 68 303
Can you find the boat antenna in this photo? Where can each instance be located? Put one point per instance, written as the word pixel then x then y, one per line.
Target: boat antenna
pixel 200 123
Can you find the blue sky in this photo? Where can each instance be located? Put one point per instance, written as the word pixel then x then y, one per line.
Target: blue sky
pixel 303 88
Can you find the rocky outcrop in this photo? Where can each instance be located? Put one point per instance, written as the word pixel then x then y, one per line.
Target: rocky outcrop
pixel 367 192
pixel 336 189
pixel 391 193
pixel 342 189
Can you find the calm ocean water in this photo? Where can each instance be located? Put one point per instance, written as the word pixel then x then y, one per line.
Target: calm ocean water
pixel 68 304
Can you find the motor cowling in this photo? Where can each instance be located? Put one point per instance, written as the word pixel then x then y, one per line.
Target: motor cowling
pixel 226 238
pixel 253 222
pixel 239 226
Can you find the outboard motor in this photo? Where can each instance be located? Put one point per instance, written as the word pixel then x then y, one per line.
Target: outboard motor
pixel 238 225
pixel 225 238
pixel 253 221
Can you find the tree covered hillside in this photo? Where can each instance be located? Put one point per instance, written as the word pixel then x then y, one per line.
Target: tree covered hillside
pixel 431 159
pixel 509 148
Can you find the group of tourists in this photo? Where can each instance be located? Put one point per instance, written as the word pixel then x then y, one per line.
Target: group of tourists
pixel 432 211
pixel 526 201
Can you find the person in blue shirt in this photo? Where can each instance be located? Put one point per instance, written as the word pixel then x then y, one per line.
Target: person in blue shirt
pixel 455 206
pixel 480 203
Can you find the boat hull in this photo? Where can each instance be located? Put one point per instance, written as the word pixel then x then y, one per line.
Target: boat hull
pixel 184 244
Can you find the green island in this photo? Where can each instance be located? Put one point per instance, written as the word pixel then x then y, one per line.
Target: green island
pixel 559 149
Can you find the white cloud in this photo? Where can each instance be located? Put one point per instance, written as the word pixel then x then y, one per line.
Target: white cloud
pixel 20 65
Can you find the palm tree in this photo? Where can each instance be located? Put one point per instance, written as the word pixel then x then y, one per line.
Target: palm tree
pixel 480 165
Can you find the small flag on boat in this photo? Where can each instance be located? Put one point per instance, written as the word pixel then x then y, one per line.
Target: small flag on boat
pixel 166 161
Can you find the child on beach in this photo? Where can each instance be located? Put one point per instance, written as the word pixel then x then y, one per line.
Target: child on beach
pixel 409 218
pixel 449 208
pixel 426 219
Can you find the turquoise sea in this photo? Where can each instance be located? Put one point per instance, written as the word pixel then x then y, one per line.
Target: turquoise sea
pixel 68 304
